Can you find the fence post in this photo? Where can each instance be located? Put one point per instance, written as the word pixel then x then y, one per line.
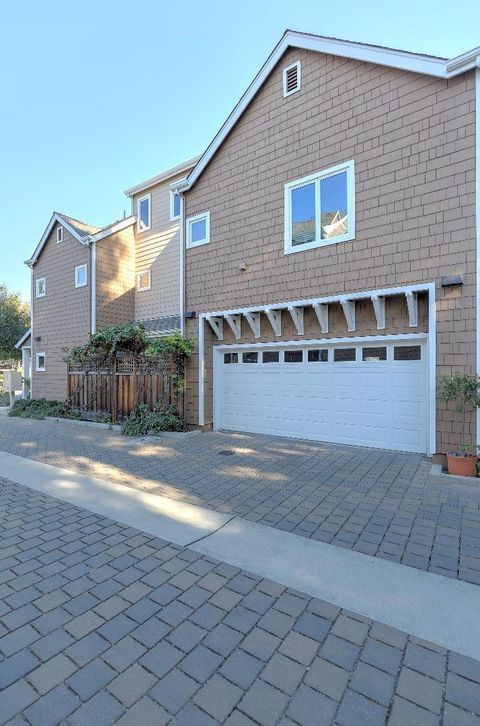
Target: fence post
pixel 113 389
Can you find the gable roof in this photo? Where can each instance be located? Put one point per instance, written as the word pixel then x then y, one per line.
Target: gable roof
pixel 401 59
pixel 23 339
pixel 82 231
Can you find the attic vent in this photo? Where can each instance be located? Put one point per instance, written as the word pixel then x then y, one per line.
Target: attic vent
pixel 291 79
pixel 59 234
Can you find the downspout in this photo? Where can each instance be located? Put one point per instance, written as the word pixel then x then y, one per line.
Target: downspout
pixel 182 263
pixel 32 353
pixel 477 219
pixel 93 284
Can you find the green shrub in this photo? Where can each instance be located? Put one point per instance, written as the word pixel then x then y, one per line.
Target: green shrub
pixel 40 408
pixel 162 418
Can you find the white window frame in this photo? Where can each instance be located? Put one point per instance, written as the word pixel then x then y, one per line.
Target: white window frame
pixel 141 288
pixel 37 366
pixel 59 233
pixel 77 270
pixel 192 220
pixel 299 77
pixel 37 286
pixel 173 217
pixel 139 200
pixel 349 167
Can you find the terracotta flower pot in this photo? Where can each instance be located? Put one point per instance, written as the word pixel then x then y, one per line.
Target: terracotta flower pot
pixel 461 463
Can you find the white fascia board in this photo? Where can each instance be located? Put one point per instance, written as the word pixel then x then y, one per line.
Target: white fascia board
pixel 117 227
pixel 23 338
pixel 54 219
pixel 163 176
pixel 308 342
pixel 403 60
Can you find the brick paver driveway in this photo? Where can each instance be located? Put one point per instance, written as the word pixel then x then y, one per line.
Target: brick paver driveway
pixel 377 502
pixel 101 623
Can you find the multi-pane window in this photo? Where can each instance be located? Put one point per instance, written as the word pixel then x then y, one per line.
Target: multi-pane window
pixel 320 208
pixel 143 213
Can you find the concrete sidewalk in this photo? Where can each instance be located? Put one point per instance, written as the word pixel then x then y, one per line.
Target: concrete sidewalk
pixel 432 607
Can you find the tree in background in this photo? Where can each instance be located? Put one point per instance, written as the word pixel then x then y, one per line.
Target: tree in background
pixel 14 322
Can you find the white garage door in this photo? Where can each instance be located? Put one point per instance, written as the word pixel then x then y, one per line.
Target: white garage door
pixel 370 394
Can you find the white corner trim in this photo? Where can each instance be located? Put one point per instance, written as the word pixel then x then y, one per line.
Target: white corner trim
pixel 181 242
pixel 477 214
pixel 93 284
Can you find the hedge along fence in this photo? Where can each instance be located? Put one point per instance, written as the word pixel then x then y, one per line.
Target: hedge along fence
pixel 120 370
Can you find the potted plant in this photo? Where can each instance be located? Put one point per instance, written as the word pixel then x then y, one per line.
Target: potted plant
pixel 463 391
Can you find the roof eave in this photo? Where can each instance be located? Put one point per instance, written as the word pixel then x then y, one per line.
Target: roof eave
pixel 164 176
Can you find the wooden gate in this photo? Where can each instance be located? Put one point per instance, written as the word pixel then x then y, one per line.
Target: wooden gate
pixel 115 390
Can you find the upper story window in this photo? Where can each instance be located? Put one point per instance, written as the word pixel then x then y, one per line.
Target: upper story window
pixel 59 233
pixel 198 229
pixel 320 208
pixel 144 279
pixel 291 78
pixel 40 287
pixel 143 212
pixel 81 276
pixel 174 206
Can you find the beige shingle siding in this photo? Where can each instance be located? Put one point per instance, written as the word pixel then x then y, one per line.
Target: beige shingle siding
pixel 115 285
pixel 412 139
pixel 158 250
pixel 62 318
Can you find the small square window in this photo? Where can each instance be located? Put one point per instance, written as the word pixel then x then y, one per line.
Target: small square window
pixel 143 280
pixel 59 233
pixel 318 356
pixel 250 357
pixel 407 352
pixel 230 358
pixel 40 287
pixel 40 362
pixel 293 356
pixel 81 276
pixel 198 230
pixel 174 206
pixel 271 356
pixel 343 355
pixel 374 354
pixel 143 213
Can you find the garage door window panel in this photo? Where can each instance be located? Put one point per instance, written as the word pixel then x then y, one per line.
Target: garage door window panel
pixel 407 352
pixel 293 356
pixel 271 356
pixel 370 355
pixel 344 355
pixel 251 357
pixel 230 358
pixel 318 356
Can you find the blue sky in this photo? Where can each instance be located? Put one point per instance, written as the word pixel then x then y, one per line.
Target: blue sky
pixel 101 94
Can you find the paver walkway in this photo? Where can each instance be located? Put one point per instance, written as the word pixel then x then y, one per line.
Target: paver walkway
pixel 376 502
pixel 101 623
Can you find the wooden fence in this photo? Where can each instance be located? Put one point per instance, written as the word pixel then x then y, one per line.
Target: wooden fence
pixel 115 390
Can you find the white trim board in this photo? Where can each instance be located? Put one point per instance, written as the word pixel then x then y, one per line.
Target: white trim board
pixel 477 212
pixel 403 60
pixel 429 606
